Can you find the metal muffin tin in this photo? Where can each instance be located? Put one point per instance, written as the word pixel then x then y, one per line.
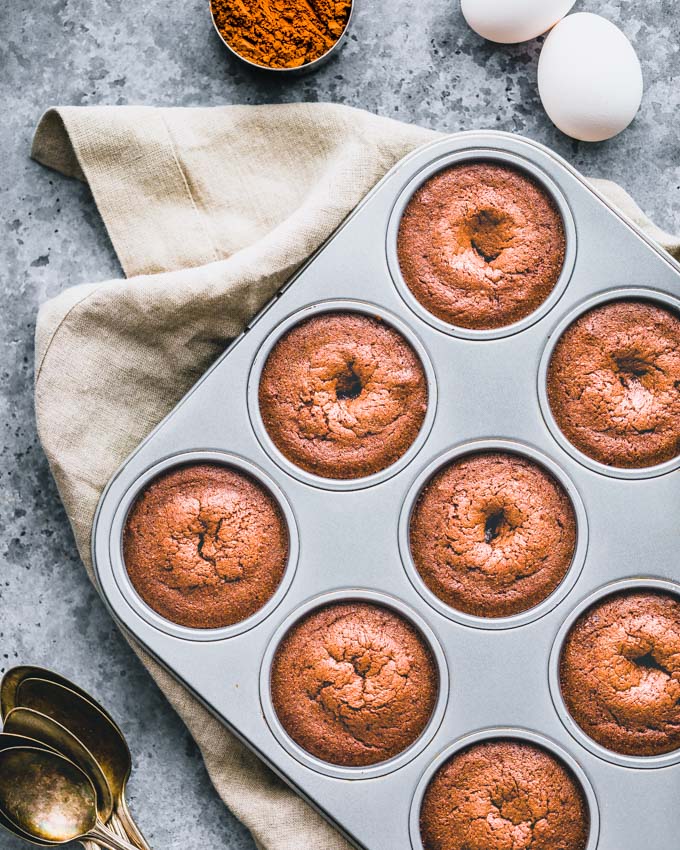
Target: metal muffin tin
pixel 349 539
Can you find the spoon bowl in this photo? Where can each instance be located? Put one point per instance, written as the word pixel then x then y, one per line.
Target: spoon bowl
pixel 82 720
pixel 95 730
pixel 10 741
pixel 30 723
pixel 45 795
pixel 49 800
pixel 16 675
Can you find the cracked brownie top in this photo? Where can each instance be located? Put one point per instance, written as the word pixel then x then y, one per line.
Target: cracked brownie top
pixel 493 534
pixel 481 245
pixel 504 795
pixel 354 683
pixel 620 672
pixel 343 395
pixel 205 545
pixel 614 384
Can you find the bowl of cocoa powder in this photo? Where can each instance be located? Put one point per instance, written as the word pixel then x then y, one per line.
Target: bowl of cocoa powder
pixel 285 36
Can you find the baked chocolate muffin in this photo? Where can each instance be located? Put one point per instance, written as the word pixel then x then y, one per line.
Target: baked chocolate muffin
pixel 504 795
pixel 614 384
pixel 493 534
pixel 620 673
pixel 205 545
pixel 354 683
pixel 481 245
pixel 343 395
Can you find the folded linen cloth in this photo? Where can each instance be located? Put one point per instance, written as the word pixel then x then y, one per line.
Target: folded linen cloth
pixel 210 211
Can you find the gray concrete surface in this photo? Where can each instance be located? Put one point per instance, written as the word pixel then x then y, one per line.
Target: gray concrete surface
pixel 414 61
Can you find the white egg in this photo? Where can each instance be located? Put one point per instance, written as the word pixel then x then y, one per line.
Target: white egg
pixel 512 21
pixel 589 78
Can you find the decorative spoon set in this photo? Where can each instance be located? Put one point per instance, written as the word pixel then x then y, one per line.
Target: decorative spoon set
pixel 64 765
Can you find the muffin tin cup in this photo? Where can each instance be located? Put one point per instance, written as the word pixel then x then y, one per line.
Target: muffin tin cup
pixel 547 604
pixel 135 601
pixel 501 158
pixel 620 759
pixel 661 299
pixel 349 538
pixel 513 734
pixel 381 768
pixel 318 309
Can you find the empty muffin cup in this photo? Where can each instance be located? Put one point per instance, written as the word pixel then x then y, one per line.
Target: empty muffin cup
pixel 615 673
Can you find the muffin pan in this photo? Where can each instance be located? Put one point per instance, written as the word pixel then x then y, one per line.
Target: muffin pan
pixel 349 539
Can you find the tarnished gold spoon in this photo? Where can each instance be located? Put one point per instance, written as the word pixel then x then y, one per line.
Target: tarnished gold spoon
pixel 50 800
pixel 121 820
pixel 95 729
pixel 40 727
pixel 16 675
pixel 8 690
pixel 8 742
pixel 12 740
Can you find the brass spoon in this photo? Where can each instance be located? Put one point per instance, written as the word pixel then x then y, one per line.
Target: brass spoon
pixel 15 676
pixel 46 797
pixel 93 726
pixel 40 727
pixel 8 691
pixel 10 741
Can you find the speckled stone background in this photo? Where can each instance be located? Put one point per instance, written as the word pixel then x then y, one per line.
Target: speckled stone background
pixel 414 61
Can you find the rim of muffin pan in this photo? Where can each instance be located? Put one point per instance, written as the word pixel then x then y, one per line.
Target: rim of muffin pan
pixel 122 579
pixel 403 758
pixel 577 562
pixel 503 733
pixel 300 315
pixel 661 299
pixel 621 585
pixel 502 158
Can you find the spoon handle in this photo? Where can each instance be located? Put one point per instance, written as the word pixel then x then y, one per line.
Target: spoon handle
pixel 115 824
pixel 107 839
pixel 129 825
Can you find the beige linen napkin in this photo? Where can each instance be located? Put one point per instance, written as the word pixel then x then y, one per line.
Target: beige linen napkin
pixel 210 211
